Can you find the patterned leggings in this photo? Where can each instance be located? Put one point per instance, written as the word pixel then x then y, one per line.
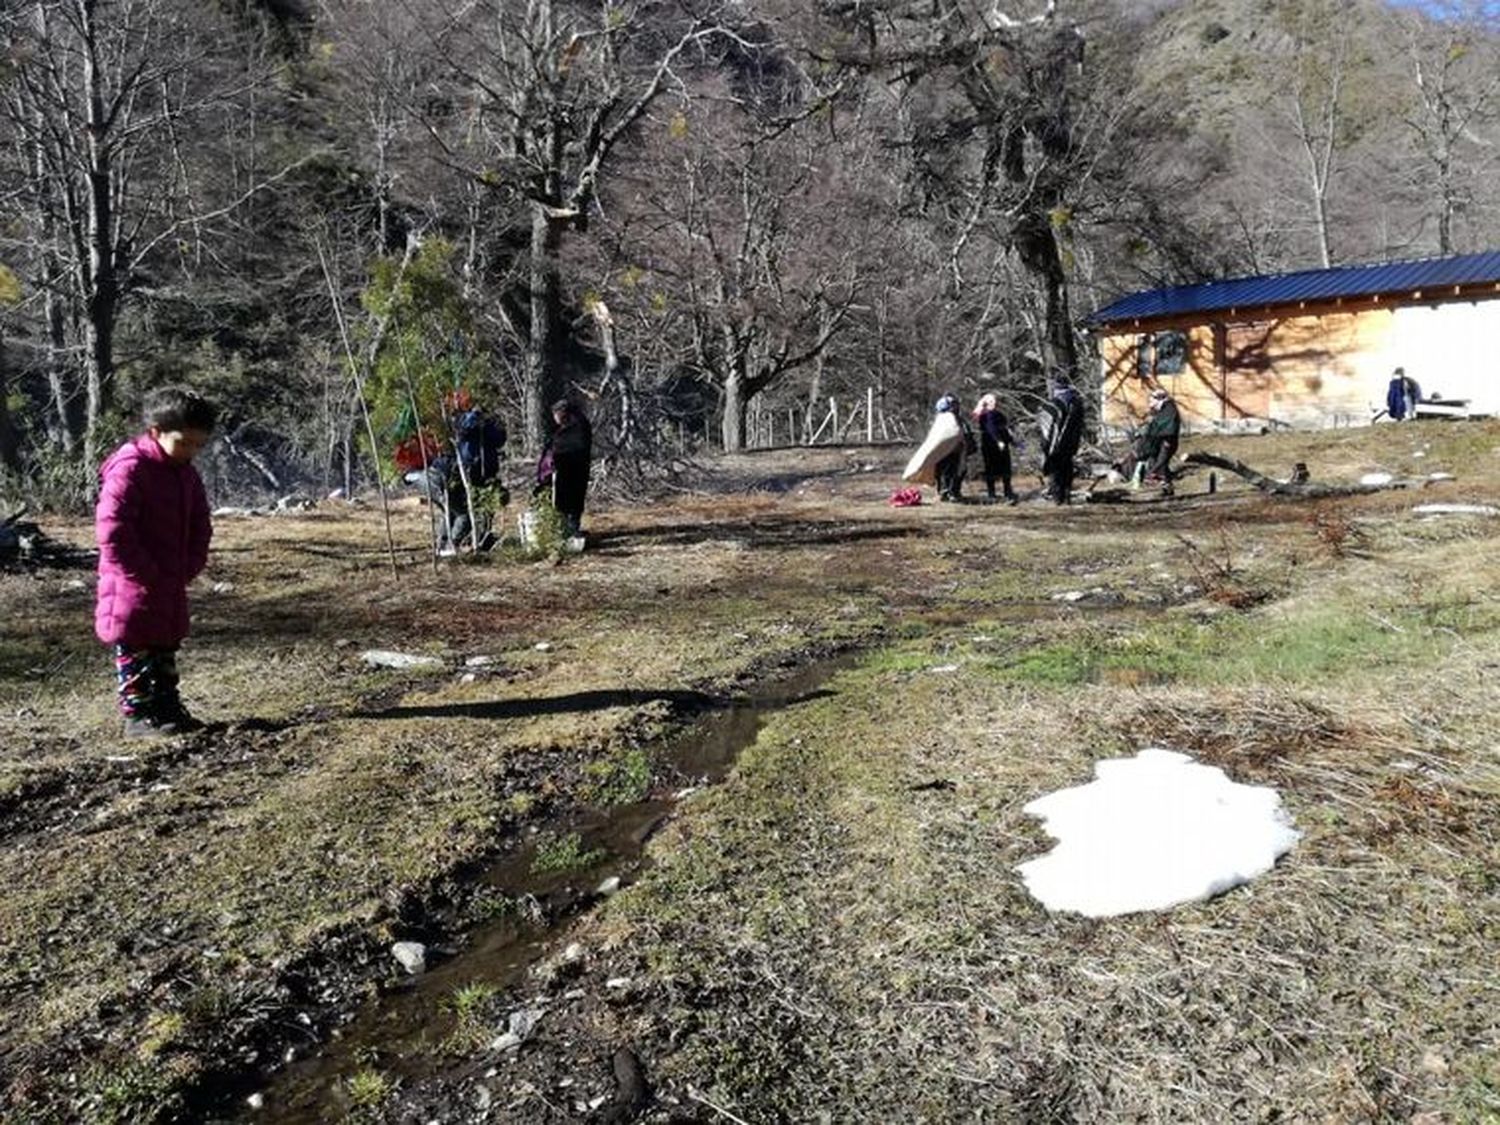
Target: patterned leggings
pixel 147 680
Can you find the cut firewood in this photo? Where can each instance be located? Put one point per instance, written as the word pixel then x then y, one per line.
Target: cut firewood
pixel 1297 486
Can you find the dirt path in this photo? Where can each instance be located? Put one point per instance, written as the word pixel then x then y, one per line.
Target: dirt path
pixel 825 929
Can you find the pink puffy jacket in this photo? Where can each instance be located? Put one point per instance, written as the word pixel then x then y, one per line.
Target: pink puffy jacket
pixel 153 528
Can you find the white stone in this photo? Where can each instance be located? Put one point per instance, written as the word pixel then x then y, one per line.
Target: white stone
pixel 617 983
pixel 412 955
pixel 573 953
pixel 381 658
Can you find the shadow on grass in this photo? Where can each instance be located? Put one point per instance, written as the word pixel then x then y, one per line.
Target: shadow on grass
pixel 791 533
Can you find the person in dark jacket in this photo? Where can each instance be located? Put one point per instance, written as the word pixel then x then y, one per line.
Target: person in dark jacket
pixel 1401 396
pixel 1158 441
pixel 471 462
pixel 1061 421
pixel 951 469
pixel 995 443
pixel 564 464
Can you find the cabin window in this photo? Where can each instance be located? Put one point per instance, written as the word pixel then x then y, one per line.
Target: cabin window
pixel 1171 353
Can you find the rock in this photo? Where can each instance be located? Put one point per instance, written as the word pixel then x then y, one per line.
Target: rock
pixel 380 658
pixel 617 983
pixel 468 678
pixel 519 1027
pixel 1376 480
pixel 575 545
pixel 573 953
pixel 256 1101
pixel 481 661
pixel 608 887
pixel 482 1099
pixel 412 955
pixel 1456 510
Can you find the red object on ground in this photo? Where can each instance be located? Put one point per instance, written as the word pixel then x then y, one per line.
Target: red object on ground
pixel 906 497
pixel 411 455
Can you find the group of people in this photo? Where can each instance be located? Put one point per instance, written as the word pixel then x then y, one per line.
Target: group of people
pixel 462 476
pixel 153 528
pixel 1060 422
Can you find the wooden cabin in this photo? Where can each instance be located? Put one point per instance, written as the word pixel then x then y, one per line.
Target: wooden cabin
pixel 1309 349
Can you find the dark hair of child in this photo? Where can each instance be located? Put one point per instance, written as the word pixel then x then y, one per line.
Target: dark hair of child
pixel 178 408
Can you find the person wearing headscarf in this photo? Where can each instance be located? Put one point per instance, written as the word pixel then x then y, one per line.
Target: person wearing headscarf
pixel 995 443
pixel 1158 442
pixel 564 464
pixel 950 470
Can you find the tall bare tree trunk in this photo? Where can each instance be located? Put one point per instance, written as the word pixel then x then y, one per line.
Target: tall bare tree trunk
pixel 101 285
pixel 544 347
pixel 10 442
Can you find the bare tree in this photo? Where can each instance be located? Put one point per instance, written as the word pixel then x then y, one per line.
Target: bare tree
pixel 95 118
pixel 1455 72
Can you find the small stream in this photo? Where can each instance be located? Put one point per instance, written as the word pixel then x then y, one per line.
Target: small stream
pixel 406 1025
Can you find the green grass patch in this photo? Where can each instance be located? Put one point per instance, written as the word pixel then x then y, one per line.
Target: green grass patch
pixel 621 778
pixel 564 854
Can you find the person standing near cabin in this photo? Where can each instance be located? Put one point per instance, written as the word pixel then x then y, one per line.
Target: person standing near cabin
pixel 995 442
pixel 951 469
pixel 1062 433
pixel 1402 396
pixel 1159 439
pixel 153 527
pixel 564 464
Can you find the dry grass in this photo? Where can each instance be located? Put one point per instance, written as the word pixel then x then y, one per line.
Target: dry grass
pixel 837 928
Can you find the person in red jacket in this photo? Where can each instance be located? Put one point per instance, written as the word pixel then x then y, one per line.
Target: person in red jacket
pixel 153 527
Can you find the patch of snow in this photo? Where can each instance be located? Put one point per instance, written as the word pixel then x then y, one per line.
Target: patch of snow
pixel 1152 832
pixel 543 646
pixel 1070 596
pixel 608 887
pixel 1441 476
pixel 1456 510
pixel 943 668
pixel 1375 480
pixel 380 658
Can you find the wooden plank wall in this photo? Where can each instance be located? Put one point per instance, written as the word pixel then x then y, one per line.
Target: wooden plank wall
pixel 1307 370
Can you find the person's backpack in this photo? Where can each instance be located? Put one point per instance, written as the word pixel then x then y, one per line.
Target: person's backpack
pixel 480 440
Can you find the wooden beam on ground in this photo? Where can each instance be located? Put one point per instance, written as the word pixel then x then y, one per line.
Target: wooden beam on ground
pixel 1287 487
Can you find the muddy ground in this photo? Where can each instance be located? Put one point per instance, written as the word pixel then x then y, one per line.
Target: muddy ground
pixel 201 928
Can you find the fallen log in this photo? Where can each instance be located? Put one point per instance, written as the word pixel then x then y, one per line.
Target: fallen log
pixel 1297 486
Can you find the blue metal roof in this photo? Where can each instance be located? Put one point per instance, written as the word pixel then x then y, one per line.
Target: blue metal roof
pixel 1306 285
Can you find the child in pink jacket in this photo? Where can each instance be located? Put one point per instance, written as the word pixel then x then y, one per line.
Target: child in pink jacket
pixel 153 528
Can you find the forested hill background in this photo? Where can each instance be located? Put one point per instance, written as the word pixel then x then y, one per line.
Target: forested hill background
pixel 702 218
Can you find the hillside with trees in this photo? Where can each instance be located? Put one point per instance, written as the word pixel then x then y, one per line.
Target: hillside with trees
pixel 702 219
